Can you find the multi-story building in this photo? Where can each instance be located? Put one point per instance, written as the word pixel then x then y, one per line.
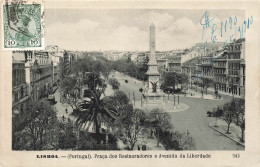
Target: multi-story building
pixel 236 67
pixel 56 55
pixel 19 87
pixel 220 72
pixel 190 55
pixel 162 65
pixel 141 58
pixel 174 63
pixel 207 67
pixel 227 68
pixel 190 68
pixel 38 72
pixel 115 55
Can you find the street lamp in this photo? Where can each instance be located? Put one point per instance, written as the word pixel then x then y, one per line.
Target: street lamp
pixel 142 100
pixel 134 98
pixel 185 88
pixel 174 100
pixel 178 99
pixel 196 83
pixel 168 92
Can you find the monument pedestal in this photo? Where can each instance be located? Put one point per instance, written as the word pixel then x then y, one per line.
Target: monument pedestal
pixel 154 97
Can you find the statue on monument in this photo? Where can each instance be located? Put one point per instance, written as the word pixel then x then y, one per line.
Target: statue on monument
pixel 154 84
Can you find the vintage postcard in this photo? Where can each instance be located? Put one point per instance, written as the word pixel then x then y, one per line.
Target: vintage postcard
pixel 125 83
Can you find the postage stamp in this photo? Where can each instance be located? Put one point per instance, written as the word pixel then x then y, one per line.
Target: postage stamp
pixel 22 26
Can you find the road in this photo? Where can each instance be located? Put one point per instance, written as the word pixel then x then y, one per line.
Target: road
pixel 194 119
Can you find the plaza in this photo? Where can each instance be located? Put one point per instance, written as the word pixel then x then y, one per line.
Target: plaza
pixel 194 119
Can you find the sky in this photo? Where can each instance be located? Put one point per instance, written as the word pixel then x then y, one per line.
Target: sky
pixel 128 29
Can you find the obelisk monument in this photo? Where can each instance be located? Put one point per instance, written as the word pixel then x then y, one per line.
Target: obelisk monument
pixel 153 94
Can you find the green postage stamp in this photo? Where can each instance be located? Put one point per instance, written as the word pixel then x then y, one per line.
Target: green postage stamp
pixel 22 26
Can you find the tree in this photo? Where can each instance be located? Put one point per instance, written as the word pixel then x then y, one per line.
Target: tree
pixel 81 66
pixel 120 101
pixel 70 89
pixel 99 66
pixel 241 124
pixel 129 68
pixel 94 81
pixel 129 126
pixel 114 83
pixel 95 111
pixel 183 78
pixel 162 118
pixel 169 79
pixel 228 114
pixel 182 141
pixel 41 128
pixel 240 115
pixel 239 108
pixel 67 137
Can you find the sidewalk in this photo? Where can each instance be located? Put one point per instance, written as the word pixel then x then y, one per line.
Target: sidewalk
pixel 212 90
pixel 235 131
pixel 199 95
pixel 151 144
pixel 62 107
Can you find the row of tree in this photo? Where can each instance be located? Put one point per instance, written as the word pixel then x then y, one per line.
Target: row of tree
pixel 131 69
pixel 232 112
pixel 38 128
pixel 171 79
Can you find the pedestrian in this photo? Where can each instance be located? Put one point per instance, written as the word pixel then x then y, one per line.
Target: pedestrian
pixel 138 147
pixel 144 147
pixel 66 110
pixel 63 118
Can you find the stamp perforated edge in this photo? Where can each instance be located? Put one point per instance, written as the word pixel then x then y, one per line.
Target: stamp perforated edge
pixel 42 47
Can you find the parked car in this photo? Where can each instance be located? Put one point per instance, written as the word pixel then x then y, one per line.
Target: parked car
pixel 218 113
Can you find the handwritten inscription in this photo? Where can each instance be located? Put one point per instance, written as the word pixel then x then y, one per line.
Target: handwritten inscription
pixel 226 30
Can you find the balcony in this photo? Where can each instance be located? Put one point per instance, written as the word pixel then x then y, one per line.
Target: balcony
pixel 220 73
pixel 219 66
pixel 207 64
pixel 15 102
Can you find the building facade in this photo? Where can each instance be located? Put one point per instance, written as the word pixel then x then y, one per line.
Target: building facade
pixel 225 67
pixel 174 63
pixel 38 72
pixel 19 87
pixel 190 68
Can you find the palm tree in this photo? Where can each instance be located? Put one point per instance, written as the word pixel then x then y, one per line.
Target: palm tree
pixel 93 80
pixel 95 111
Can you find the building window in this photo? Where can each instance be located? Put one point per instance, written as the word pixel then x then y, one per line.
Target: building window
pixel 22 93
pixel 15 97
